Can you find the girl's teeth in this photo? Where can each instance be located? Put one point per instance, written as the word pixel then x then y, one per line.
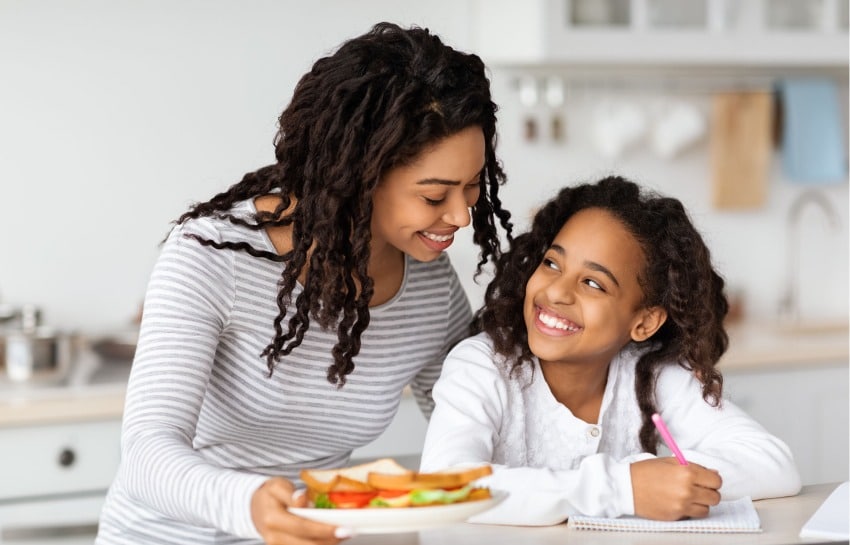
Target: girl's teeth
pixel 438 238
pixel 551 321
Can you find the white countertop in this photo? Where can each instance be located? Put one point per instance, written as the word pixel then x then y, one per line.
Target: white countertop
pixel 755 346
pixel 781 520
pixel 752 347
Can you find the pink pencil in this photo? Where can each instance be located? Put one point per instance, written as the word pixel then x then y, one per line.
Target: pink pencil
pixel 665 434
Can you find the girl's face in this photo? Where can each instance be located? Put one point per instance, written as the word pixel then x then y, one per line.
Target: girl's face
pixel 583 302
pixel 417 208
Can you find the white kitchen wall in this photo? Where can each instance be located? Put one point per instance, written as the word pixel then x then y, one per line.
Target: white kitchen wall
pixel 749 247
pixel 115 116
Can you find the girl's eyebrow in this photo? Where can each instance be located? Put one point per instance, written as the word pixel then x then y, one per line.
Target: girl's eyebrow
pixel 589 264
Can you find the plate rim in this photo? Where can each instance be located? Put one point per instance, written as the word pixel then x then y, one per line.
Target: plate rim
pixel 437 515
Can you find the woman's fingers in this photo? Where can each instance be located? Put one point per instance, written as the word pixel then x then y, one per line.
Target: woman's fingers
pixel 277 526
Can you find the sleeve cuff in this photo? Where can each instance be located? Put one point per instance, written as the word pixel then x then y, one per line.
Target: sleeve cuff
pixel 243 523
pixel 622 477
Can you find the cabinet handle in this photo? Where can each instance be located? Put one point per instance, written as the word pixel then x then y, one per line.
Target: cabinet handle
pixel 67 457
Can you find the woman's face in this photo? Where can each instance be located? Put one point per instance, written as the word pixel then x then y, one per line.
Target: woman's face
pixel 583 302
pixel 417 208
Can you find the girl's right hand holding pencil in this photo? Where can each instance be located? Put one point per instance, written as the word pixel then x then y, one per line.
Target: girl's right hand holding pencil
pixel 663 489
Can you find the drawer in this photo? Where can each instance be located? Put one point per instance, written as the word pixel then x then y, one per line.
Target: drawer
pixel 58 459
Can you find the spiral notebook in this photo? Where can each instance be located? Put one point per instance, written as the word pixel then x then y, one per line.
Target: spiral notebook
pixel 727 517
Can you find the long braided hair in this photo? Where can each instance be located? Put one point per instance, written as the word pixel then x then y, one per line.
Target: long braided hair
pixel 373 105
pixel 678 276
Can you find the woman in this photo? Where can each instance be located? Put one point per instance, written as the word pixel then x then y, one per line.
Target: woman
pixel 285 315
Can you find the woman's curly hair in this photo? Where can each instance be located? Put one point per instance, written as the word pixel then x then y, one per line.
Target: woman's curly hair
pixel 678 276
pixel 375 104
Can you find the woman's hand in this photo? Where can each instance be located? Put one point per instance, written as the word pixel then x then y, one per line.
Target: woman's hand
pixel 277 526
pixel 665 490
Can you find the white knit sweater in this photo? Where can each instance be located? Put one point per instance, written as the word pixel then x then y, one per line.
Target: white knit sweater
pixel 554 464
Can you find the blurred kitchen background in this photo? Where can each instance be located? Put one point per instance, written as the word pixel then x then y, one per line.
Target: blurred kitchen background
pixel 115 116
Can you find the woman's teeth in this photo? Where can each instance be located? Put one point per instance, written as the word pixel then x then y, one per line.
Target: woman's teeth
pixel 438 238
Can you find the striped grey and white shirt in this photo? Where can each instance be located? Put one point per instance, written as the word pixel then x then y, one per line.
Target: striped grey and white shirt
pixel 204 425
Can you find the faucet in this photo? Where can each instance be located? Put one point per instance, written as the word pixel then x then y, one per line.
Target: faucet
pixel 789 304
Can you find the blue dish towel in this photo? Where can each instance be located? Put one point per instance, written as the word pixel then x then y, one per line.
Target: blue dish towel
pixel 813 148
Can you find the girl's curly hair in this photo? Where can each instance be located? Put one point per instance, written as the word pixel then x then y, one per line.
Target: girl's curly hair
pixel 678 276
pixel 375 104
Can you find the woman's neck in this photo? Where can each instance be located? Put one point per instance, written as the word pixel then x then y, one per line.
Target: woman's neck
pixel 386 262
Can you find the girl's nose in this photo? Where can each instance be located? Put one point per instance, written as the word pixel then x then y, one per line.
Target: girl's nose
pixel 562 290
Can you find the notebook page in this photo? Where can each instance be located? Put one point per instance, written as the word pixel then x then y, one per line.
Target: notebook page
pixel 832 518
pixel 737 516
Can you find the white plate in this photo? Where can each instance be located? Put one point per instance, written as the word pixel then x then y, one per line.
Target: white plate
pixel 400 519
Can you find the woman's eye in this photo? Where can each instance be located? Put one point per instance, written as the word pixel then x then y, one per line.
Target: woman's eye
pixel 549 264
pixel 434 202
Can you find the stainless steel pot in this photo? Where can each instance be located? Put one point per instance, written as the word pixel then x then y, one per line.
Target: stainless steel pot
pixel 31 352
pixel 42 355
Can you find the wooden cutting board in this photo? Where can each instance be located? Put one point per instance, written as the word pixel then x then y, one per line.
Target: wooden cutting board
pixel 741 141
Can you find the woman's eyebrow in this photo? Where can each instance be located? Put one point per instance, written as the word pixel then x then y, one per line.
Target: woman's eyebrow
pixel 441 181
pixel 437 181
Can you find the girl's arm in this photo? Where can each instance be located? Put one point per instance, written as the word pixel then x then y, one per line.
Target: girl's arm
pixel 471 396
pixel 751 461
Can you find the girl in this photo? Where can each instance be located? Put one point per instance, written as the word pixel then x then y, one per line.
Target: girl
pixel 278 310
pixel 607 311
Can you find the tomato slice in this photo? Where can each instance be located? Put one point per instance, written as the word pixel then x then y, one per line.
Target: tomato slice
pixel 351 500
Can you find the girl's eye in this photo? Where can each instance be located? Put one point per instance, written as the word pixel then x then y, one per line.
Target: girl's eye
pixel 434 202
pixel 594 284
pixel 549 264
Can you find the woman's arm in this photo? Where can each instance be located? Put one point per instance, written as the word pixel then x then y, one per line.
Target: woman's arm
pixel 187 305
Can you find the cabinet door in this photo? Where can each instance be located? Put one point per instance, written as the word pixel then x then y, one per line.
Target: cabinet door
pixel 58 459
pixel 807 407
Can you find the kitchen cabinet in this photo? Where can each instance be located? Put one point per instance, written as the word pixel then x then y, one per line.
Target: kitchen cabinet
pixel 58 459
pixel 692 33
pixel 806 406
pixel 60 452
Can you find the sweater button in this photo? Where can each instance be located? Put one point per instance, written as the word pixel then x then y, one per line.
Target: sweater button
pixel 593 431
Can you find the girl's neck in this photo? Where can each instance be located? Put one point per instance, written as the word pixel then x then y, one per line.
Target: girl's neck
pixel 579 388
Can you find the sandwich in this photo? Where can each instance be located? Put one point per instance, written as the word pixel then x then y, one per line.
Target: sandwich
pixel 385 483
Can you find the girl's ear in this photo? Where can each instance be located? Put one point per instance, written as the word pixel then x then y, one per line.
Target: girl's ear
pixel 647 323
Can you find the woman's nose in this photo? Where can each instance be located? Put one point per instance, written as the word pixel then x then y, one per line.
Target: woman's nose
pixel 457 212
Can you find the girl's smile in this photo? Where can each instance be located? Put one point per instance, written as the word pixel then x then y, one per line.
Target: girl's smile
pixel 550 323
pixel 583 302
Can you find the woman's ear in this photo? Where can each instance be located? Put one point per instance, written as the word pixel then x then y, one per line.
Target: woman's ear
pixel 648 321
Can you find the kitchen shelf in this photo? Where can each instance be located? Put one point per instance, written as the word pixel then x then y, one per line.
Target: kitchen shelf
pixel 729 33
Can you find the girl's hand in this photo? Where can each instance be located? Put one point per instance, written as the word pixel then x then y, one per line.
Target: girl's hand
pixel 278 526
pixel 665 490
